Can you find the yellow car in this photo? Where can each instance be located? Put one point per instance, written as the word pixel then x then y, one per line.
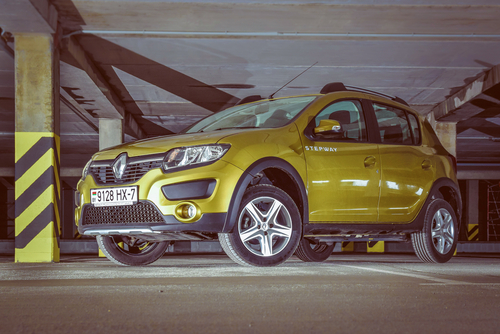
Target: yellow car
pixel 272 177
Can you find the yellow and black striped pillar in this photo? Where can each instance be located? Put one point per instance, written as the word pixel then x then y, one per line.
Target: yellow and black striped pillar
pixel 38 196
pixel 37 184
pixel 375 247
pixel 347 246
pixel 473 232
pixel 472 209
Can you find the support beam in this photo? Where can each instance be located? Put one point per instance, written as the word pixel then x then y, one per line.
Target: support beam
pixel 77 109
pixel 484 82
pixel 118 110
pixel 27 16
pixel 78 53
pixel 133 128
pixel 37 149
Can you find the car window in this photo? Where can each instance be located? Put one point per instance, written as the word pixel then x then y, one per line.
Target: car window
pixel 393 125
pixel 350 115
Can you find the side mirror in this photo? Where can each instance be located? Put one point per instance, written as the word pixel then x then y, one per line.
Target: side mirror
pixel 328 127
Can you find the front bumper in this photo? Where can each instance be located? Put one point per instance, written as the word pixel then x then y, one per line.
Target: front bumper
pixel 119 221
pixel 156 191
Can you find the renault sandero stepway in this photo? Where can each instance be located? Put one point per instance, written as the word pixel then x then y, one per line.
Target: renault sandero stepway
pixel 274 177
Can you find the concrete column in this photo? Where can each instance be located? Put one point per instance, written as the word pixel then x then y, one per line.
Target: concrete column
pixel 447 134
pixel 472 202
pixel 110 132
pixel 37 184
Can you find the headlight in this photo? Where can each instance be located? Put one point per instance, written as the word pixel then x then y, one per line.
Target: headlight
pixel 85 170
pixel 193 156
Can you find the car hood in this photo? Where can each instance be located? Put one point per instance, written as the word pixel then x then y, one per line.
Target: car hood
pixel 164 143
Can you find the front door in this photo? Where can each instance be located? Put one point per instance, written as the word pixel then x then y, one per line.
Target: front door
pixel 343 173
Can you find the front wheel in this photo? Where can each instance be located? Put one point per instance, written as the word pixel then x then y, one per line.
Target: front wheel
pixel 267 231
pixel 130 251
pixel 437 241
pixel 314 252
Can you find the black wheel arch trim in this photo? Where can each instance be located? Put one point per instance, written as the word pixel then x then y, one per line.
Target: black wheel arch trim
pixel 249 174
pixel 387 228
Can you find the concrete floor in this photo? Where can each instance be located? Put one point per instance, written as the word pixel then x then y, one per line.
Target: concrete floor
pixel 357 293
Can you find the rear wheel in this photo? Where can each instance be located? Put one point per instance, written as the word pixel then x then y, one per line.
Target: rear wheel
pixel 314 252
pixel 267 230
pixel 437 242
pixel 130 251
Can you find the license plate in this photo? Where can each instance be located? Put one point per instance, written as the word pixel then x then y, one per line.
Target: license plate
pixel 114 196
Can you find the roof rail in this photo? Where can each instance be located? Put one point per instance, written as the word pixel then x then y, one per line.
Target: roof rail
pixel 339 87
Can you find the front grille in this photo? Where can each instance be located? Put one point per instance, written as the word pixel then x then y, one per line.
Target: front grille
pixel 102 171
pixel 142 212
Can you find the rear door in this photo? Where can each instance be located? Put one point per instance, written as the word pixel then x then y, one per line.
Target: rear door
pixel 342 173
pixel 407 168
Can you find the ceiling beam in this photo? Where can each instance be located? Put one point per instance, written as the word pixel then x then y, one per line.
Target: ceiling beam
pixel 77 109
pixel 86 64
pixel 484 82
pixel 28 16
pixel 133 128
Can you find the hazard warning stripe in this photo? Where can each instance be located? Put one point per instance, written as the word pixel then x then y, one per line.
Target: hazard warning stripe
pixel 44 153
pixel 34 191
pixel 36 226
pixel 33 155
pixel 347 246
pixel 473 232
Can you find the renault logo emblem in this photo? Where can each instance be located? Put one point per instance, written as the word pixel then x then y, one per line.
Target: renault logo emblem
pixel 119 166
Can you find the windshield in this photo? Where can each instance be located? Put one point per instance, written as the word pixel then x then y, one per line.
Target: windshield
pixel 265 114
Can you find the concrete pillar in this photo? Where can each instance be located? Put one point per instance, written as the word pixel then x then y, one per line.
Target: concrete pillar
pixel 110 132
pixel 37 184
pixel 447 134
pixel 472 202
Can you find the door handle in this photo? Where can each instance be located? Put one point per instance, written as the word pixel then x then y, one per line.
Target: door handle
pixel 426 164
pixel 370 161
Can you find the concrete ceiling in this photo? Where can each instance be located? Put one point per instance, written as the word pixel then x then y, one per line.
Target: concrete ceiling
pixel 165 64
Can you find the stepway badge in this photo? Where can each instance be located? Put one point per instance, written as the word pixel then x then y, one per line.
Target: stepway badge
pixel 321 149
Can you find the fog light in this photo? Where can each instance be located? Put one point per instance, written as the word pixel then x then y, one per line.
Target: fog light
pixel 187 212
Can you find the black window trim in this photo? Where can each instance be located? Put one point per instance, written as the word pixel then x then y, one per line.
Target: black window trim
pixel 418 128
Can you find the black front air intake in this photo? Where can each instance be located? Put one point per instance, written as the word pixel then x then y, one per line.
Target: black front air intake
pixel 140 213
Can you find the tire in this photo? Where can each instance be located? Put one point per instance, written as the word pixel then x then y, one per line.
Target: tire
pixel 437 241
pixel 268 228
pixel 311 252
pixel 127 251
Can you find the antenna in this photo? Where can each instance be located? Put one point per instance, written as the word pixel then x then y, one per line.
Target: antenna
pixel 271 96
